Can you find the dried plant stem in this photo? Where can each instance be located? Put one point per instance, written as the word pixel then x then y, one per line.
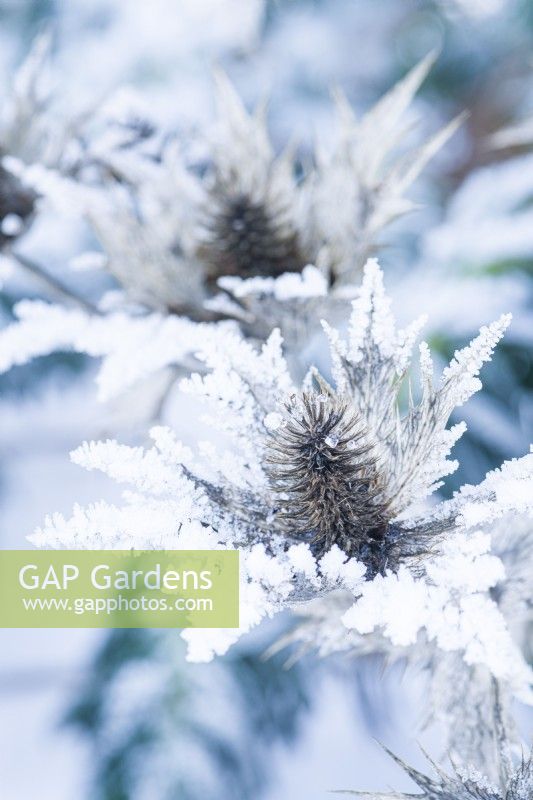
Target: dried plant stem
pixel 55 284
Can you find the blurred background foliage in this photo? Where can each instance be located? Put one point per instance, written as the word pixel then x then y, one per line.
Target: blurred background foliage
pixel 166 718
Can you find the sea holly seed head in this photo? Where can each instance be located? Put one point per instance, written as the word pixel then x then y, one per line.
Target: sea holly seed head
pixel 323 463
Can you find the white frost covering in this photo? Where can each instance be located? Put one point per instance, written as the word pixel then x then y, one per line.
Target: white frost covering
pixel 508 489
pixel 289 286
pixel 451 605
pixel 131 347
pixel 154 223
pixel 177 498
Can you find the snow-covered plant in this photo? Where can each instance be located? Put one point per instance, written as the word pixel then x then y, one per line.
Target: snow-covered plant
pixel 320 488
pixel 357 188
pixel 458 681
pixel 246 214
pixel 176 230
pixel 514 779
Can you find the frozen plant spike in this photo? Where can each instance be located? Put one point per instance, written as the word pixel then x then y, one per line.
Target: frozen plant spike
pixel 387 116
pixel 517 135
pixel 467 782
pixel 359 188
pixel 370 368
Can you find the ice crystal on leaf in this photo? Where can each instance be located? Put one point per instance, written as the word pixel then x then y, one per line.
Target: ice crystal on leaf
pixel 316 488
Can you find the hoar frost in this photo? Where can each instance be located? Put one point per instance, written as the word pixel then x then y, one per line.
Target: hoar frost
pixel 352 464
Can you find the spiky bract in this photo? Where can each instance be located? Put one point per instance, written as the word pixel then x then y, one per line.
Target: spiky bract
pixel 465 784
pixel 513 781
pixel 324 473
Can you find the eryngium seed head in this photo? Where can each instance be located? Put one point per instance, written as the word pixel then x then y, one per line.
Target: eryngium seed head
pixel 326 478
pixel 247 239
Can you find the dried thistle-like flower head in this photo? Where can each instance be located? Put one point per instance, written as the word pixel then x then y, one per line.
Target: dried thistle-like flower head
pixel 249 220
pixel 245 213
pixel 326 478
pixel 246 238
pixel 511 781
